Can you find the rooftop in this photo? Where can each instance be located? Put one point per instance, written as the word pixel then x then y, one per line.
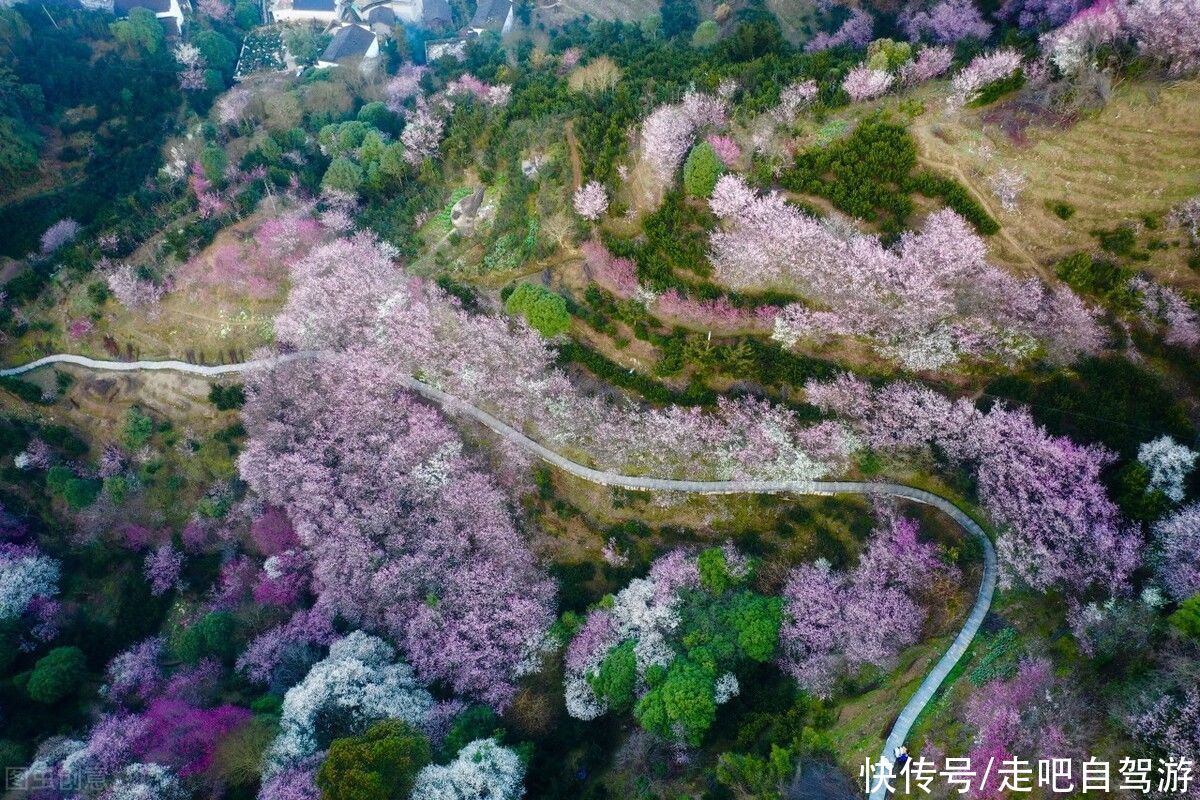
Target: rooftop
pixel 351 41
pixel 491 14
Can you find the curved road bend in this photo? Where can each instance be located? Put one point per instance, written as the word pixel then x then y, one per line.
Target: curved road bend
pixel 929 686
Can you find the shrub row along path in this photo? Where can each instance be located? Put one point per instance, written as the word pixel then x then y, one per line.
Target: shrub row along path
pixel 452 405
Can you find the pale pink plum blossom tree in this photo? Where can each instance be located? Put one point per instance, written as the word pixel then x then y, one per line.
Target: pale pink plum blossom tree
pixel 1162 305
pixel 927 303
pixel 162 568
pixel 863 83
pixel 1059 528
pixel 59 234
pixel 1072 47
pixel 983 69
pixel 405 85
pixel 591 201
pixel 1166 30
pixel 835 623
pixel 422 134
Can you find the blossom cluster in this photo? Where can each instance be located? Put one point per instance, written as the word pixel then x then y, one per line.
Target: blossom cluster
pixel 926 304
pixel 836 622
pixel 1058 526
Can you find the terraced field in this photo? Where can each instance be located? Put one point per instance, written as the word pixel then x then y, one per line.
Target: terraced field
pixel 1138 156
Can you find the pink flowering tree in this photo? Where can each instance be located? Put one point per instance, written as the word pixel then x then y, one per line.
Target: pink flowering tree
pixel 1166 30
pixel 404 535
pixel 162 568
pixel 59 234
pixel 927 303
pixel 946 22
pixel 726 149
pixel 670 131
pixel 1072 47
pixel 835 623
pixel 591 201
pixel 1162 305
pixel 1058 527
pixel 422 134
pixel 982 70
pixel 855 32
pixel 930 63
pixel 404 86
pixel 618 275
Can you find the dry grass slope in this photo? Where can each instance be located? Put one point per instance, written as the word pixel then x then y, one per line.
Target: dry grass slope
pixel 1138 156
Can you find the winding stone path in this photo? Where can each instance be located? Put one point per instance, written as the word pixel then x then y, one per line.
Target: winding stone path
pixel 929 686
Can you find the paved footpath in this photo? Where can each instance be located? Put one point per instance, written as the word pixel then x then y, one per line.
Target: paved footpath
pixel 453 405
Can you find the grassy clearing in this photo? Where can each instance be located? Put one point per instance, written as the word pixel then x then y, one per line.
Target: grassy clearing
pixel 1135 158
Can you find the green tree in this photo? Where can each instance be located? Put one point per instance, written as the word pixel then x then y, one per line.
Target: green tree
pixel 616 679
pixel 379 765
pixel 343 175
pixel 476 722
pixel 680 703
pixel 545 311
pixel 706 34
pixel 714 571
pixel 139 31
pixel 212 635
pixel 701 170
pixel 678 16
pixel 219 52
pixel 57 675
pixel 756 620
pixel 79 493
pixel 301 42
pixel 1186 618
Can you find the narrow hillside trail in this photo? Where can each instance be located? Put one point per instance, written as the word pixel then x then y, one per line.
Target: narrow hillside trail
pixel 454 406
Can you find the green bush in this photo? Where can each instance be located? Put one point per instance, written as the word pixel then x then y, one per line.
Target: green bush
pixel 226 398
pixel 476 722
pixel 701 170
pixel 57 675
pixel 1186 618
pixel 138 428
pixel 862 173
pixel 213 161
pixel 379 765
pixel 79 493
pixel 1061 209
pixel 545 310
pixel 22 389
pixel 681 702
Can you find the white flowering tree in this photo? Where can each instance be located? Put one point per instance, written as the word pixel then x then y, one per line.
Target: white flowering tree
pixel 483 770
pixel 1168 462
pixel 360 682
